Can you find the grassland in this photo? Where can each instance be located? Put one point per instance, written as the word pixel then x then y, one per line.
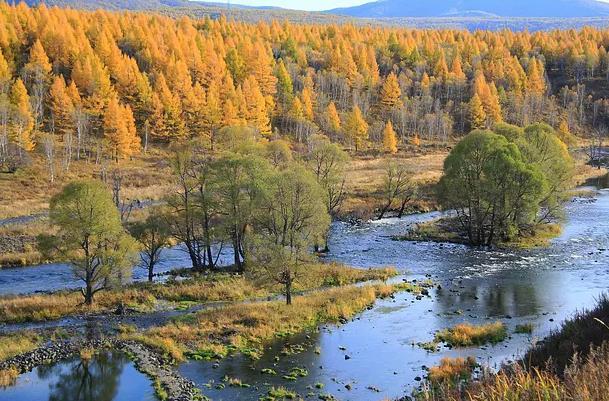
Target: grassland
pixel 19 343
pixel 365 175
pixel 569 365
pixel 199 289
pixel 246 328
pixel 144 177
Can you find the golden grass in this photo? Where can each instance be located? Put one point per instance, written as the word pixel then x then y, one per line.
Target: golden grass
pixel 584 380
pixel 246 327
pixel 205 288
pixel 465 334
pixel 145 177
pixel 8 377
pixel 452 370
pixel 365 175
pixel 86 354
pixel 18 343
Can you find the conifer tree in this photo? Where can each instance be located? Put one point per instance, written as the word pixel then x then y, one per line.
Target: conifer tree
pixel 307 102
pixel 61 106
pixel 390 92
pixel 119 130
pixel 356 128
pixel 477 116
pixel 22 116
pixel 333 118
pixel 390 140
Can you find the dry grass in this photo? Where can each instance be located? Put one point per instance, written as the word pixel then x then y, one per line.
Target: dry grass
pixel 145 177
pixel 205 288
pixel 570 365
pixel 452 371
pixel 465 334
pixel 246 327
pixel 18 343
pixel 8 377
pixel 365 176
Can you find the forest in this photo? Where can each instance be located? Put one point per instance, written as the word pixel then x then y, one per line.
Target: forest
pixel 227 206
pixel 102 85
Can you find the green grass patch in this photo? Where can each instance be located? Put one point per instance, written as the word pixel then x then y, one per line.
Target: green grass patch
pixel 525 328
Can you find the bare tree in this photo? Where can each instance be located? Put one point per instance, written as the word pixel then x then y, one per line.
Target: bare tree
pixel 48 145
pixel 397 186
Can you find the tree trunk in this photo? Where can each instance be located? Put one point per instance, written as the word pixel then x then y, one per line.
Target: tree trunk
pixel 402 207
pixel 236 252
pixel 288 291
pixel 150 271
pixel 384 210
pixel 88 295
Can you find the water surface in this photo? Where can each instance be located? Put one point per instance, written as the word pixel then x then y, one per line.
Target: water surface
pixel 539 286
pixel 109 376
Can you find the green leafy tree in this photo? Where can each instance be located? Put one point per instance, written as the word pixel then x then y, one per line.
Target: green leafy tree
pixel 90 236
pixel 491 187
pixel 290 222
pixel 541 147
pixel 239 181
pixel 153 235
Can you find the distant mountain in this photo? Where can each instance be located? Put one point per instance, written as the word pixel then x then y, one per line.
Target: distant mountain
pixel 479 8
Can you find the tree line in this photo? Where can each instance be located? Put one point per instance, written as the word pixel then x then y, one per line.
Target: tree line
pixel 102 86
pixel 268 206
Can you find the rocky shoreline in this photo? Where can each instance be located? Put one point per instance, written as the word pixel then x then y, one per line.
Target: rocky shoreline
pixel 147 361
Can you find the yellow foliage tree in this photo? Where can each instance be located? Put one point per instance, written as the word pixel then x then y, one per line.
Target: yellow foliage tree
pixel 119 130
pixel 356 128
pixel 333 118
pixel 61 106
pixel 477 116
pixel 22 116
pixel 390 140
pixel 390 92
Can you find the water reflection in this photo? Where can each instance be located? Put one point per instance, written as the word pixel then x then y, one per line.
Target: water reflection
pixel 108 376
pixel 541 287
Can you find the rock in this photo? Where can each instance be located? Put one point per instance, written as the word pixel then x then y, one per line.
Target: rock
pixel 347 357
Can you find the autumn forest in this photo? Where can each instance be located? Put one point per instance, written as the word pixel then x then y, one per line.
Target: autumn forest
pixel 109 84
pixel 198 207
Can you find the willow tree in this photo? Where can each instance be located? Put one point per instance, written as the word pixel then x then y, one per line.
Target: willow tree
pixel 492 188
pixel 292 218
pixel 90 236
pixel 239 183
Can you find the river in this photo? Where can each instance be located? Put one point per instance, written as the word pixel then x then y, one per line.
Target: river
pixel 375 356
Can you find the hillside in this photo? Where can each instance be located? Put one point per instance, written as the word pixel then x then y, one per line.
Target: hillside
pixel 477 8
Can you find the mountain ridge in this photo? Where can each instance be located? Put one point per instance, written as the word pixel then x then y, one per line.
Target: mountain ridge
pixel 467 8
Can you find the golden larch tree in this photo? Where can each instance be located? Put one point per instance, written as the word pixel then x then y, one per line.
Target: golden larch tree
pixel 390 139
pixel 119 130
pixel 333 118
pixel 477 116
pixel 22 121
pixel 356 128
pixel 390 92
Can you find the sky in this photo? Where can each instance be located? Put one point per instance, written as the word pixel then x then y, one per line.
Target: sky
pixel 309 5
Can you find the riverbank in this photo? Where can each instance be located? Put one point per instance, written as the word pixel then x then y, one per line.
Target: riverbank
pixel 179 294
pixel 202 335
pixel 447 230
pixel 571 364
